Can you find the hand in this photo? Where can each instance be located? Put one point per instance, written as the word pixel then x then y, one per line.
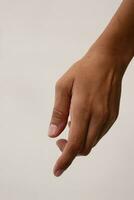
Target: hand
pixel 90 93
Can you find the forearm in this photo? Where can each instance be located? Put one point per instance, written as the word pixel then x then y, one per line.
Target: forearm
pixel 118 37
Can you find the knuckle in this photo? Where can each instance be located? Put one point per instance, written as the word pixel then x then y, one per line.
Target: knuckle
pixel 86 152
pixel 57 114
pixel 60 86
pixel 114 116
pixel 102 114
pixel 74 147
pixel 81 107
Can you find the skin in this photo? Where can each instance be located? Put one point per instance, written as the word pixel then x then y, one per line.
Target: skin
pixel 89 92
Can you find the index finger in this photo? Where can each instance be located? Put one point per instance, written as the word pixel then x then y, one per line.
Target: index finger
pixel 77 134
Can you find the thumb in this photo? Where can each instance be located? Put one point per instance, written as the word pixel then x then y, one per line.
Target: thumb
pixel 61 108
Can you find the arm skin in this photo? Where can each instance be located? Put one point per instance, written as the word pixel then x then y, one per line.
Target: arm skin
pixel 119 34
pixel 89 92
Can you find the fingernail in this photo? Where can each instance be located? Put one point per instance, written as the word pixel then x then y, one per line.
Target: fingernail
pixel 59 172
pixel 52 131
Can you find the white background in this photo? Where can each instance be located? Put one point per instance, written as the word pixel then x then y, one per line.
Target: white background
pixel 39 40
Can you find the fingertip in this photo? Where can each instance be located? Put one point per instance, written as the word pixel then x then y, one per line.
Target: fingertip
pixel 61 144
pixel 59 165
pixel 58 172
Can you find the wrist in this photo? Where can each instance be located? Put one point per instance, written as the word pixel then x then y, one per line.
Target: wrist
pixel 119 44
pixel 110 53
pixel 122 48
pixel 116 44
